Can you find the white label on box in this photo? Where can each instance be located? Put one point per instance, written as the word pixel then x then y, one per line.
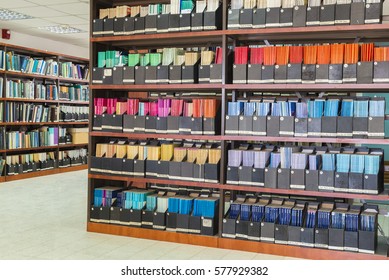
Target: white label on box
pixel 293 81
pixel 269 239
pixel 147 223
pixel 324 246
pixel 272 24
pixel 339 134
pixel 378 134
pixel 280 81
pixel 343 21
pixel 307 244
pixel 188 81
pixel 151 30
pixel 209 27
pixel 377 20
pixel 228 235
pixel 288 133
pixel 253 238
pixel 215 80
pixel 307 82
pixel 239 81
pixel 330 22
pixel 299 187
pixel 286 24
pixel 259 25
pixel 335 81
pixel 294 243
pixel 355 190
pixel 351 249
pixel 309 23
pixel 324 81
pixel 339 248
pixel 242 235
pixel 97 81
pixel 159 227
pixel 326 188
pixel 258 184
pixel 195 28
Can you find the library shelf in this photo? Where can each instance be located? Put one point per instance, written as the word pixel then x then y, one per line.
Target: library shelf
pixel 161 235
pixel 30 75
pixel 3 151
pixel 45 173
pixel 11 99
pixel 41 123
pixel 2 179
pixel 138 2
pixel 159 87
pixel 40 148
pixel 309 87
pixel 72 145
pixel 73 81
pixel 155 136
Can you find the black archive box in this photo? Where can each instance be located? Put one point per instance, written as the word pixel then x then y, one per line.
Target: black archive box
pixel 162 169
pixel 307 237
pixel 151 168
pixel 140 75
pixel 229 227
pixel 194 224
pixel 128 167
pixel 190 74
pixel 116 166
pixel 360 127
pixel 373 12
pixel 128 123
pixel 335 74
pixel 147 219
pixel 242 229
pixel 174 22
pixel 313 15
pixel 328 126
pixel 344 127
pixel 321 238
pixel 273 17
pixel 175 72
pixel 281 234
pixel 280 74
pixel 254 231
pixel 182 223
pixel 150 24
pixel 118 26
pixel 254 73
pixel 365 72
pixel 209 226
pixel 97 27
pixel 104 213
pixel 349 73
pixel 297 179
pixel 246 18
pixel 301 127
pixel 367 242
pixel 326 180
pixel 159 220
pixel 299 16
pixel 173 124
pixel 355 184
pixel 381 72
pixel 150 74
pixel 187 171
pixel 108 27
pixel 259 18
pixel 233 175
pixel 267 74
pixel 128 75
pixel 294 74
pixel 351 241
pixel 271 177
pixel 372 183
pixel 327 15
pixel 129 26
pixel 287 126
pixel 245 125
pixel 114 216
pixel 258 177
pixel 314 127
pixel 198 172
pixel 197 23
pixel 97 75
pixel 139 25
pixel 174 170
pixel 185 22
pixel 267 232
pixel 198 126
pixel 233 18
pixel 239 73
pixel 171 221
pixel 161 125
pixel 204 74
pixel 336 239
pixel 376 127
pixel 117 74
pixel 124 216
pixel 308 73
pixel 357 13
pixel 112 123
pixel 215 73
pixel 342 14
pixel 150 124
pixel 312 180
pixel 259 125
pixel 286 17
pixel 283 180
pixel 163 23
pixel 97 122
pixel 245 175
pixel 273 126
pixel 211 173
pixel 322 74
pixel 162 74
pixel 213 19
pixel 139 124
pixel 94 214
pixel 185 125
pixel 139 168
pixel 135 217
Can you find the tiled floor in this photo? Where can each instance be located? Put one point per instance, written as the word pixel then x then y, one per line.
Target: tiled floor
pixel 52 225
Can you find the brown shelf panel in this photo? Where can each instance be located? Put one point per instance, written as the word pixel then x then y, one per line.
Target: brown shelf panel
pixel 10 99
pixel 154 136
pixel 177 39
pixel 309 87
pixel 75 81
pixel 72 168
pixel 161 235
pixel 154 87
pixel 367 32
pixel 41 123
pixel 2 179
pixel 40 148
pixel 27 75
pixel 139 2
pixel 72 145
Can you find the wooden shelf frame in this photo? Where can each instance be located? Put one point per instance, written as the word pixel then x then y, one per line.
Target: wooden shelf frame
pixel 73 102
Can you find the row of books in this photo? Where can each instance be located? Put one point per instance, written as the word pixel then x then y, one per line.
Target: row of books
pixel 2 138
pixel 2 165
pixel 159 18
pixel 74 93
pixel 333 117
pixel 189 211
pixel 299 13
pixel 337 226
pixel 44 136
pixel 30 90
pixel 73 71
pixel 347 169
pixel 29 112
pixel 174 160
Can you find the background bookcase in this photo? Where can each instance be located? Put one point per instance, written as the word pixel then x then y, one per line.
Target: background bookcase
pixel 226 38
pixel 55 80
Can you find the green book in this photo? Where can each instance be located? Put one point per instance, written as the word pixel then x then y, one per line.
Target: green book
pixel 101 59
pixel 133 59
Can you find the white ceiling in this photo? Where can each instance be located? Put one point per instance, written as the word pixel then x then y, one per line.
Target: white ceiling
pixel 74 13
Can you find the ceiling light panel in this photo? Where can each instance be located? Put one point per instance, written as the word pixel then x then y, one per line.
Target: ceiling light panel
pixel 11 15
pixel 60 29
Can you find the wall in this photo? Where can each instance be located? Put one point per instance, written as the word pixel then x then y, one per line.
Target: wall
pixel 46 44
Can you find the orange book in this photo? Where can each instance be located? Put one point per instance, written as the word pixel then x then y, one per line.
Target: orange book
pixel 210 107
pixel 269 56
pixel 367 52
pixel 310 54
pixel 296 54
pixel 351 53
pixel 197 108
pixel 282 55
pixel 337 53
pixel 323 54
pixel 381 54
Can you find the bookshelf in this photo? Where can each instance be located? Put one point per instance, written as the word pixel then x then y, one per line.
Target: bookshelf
pixel 63 79
pixel 227 38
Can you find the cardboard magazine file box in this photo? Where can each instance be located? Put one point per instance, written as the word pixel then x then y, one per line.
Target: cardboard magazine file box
pixel 280 230
pixel 215 73
pixel 163 23
pixel 229 223
pixel 135 216
pixel 198 172
pixel 197 23
pixel 258 177
pixel 283 178
pixel 161 125
pixel 308 73
pixel 342 182
pixel 140 75
pixel 159 220
pixel 211 172
pixel 349 73
pixel 209 226
pixel 171 221
pixel 297 179
pixel 357 13
pixel 127 167
pixel 185 22
pixel 94 212
pixel 116 166
pixel 147 218
pixel 150 124
pixel 328 126
pixel 118 26
pixel 201 126
pixel 299 16
pixel 213 19
pixel 381 72
pixel 335 74
pixel 151 168
pixel 322 74
pixel 254 228
pixel 344 127
pixel 245 175
pixel 117 74
pixel 294 73
pixel 272 17
pixel 280 74
pixel 245 126
pixel 114 216
pixel 139 168
pixel 162 74
pixel 97 75
pixel 204 74
pixel 128 75
pixel 175 74
pixel 355 183
pixel 342 14
pixel 273 126
pixel 173 124
pixel 307 234
pixel 294 235
pixel 373 12
pixel 326 181
pixel 327 15
pixel 268 228
pixel 174 23
pixel 259 125
pixel 233 19
pixel 151 75
pixel 312 180
pixel 271 178
pixel 182 223
pixel 128 123
pixel 367 240
pixel 162 169
pixel 108 76
pixel 259 18
pixel 254 73
pixel 124 216
pixel 267 74
pixel 365 71
pixel 360 127
pixel 108 27
pixel 287 126
pixel 150 24
pixel 313 15
pixel 242 228
pixel 322 234
pixel 351 237
pixel 104 214
pixel 174 170
pixel 301 127
pixel 232 125
pixel 139 26
pixel 239 74
pixel 112 123
pixel 336 235
pixel 185 125
pixel 187 171
pixel 190 74
pixel 286 17
pixel 139 124
pixel 314 127
pixel 373 183
pixel 129 26
pixel 194 224
pixel 376 127
pixel 98 27
pixel 246 18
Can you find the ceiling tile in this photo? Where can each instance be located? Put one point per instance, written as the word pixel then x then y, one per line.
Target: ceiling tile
pixel 39 12
pixel 86 17
pixel 15 4
pixel 73 9
pixel 69 20
pixel 84 27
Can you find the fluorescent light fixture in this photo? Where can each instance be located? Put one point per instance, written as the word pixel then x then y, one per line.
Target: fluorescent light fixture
pixel 11 15
pixel 61 29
